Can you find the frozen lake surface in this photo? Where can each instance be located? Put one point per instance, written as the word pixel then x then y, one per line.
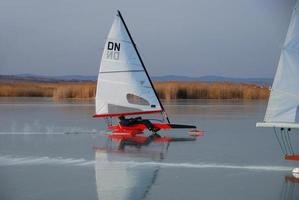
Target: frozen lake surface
pixel 47 152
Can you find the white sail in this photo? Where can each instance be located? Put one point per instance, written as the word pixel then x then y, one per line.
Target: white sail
pixel 282 110
pixel 123 84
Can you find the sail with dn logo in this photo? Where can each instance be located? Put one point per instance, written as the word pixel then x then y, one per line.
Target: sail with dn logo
pixel 123 87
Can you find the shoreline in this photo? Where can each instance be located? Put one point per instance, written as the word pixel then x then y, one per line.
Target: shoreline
pixel 167 90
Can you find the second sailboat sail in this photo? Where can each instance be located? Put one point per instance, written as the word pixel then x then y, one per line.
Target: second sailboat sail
pixel 283 106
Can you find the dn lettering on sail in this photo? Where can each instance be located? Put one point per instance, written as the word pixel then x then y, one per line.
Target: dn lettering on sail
pixel 113 49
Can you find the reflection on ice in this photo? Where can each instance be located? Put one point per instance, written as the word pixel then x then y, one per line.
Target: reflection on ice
pixel 117 178
pixel 290 185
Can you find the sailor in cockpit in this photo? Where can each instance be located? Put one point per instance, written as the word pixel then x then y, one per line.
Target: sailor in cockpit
pixel 138 120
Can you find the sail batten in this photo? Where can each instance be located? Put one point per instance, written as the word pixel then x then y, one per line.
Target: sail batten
pixel 129 113
pixel 122 71
pixel 124 87
pixel 283 105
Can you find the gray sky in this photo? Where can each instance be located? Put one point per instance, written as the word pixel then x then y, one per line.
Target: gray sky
pixel 236 38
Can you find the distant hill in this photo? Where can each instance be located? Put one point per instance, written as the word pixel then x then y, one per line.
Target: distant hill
pixel 38 78
pixel 259 81
pixel 78 78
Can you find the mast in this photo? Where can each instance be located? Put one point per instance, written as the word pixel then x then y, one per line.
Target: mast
pixel 139 57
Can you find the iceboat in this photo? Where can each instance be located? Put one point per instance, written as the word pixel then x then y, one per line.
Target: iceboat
pixel 124 88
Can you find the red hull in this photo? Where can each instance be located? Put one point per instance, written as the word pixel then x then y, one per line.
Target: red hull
pixel 291 157
pixel 136 127
pixel 134 133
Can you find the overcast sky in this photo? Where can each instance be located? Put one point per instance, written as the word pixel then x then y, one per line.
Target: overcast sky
pixel 235 38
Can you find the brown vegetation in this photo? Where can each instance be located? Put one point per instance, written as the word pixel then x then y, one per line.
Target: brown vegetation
pixel 165 90
pixel 57 90
pixel 215 90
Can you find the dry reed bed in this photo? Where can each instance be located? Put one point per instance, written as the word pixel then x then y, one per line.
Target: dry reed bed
pixel 165 90
pixel 205 90
pixel 56 90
